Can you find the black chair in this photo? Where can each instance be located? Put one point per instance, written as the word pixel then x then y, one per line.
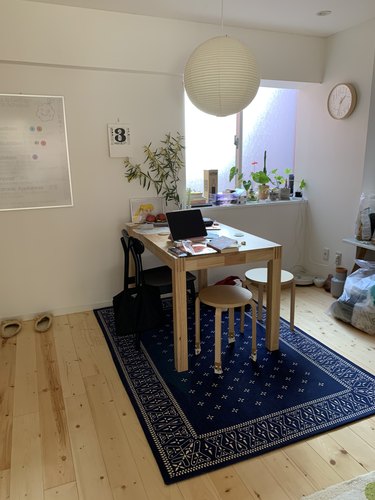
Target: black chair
pixel 160 277
pixel 156 279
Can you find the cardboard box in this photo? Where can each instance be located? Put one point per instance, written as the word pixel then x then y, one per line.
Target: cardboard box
pixel 210 184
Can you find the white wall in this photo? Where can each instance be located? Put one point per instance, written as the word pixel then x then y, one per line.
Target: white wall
pixel 368 182
pixel 330 154
pixel 108 66
pixel 54 34
pixel 70 258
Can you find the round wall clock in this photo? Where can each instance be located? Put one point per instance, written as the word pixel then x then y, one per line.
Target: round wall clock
pixel 342 101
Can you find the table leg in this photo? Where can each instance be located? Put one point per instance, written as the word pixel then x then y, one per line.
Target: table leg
pixel 202 278
pixel 273 301
pixel 180 316
pixel 260 301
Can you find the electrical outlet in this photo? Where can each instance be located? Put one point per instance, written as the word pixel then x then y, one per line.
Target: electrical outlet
pixel 325 253
pixel 338 258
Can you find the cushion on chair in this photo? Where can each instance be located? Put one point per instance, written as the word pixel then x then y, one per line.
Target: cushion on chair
pixel 162 276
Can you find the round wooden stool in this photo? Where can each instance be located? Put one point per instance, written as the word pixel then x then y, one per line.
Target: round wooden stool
pixel 223 297
pixel 258 277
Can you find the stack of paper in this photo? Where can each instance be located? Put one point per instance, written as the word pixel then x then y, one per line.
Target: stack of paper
pixel 224 244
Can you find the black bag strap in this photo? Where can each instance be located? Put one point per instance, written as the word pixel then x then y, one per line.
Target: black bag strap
pixel 136 248
pixel 125 246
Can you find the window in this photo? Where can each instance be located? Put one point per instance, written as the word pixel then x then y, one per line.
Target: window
pixel 268 123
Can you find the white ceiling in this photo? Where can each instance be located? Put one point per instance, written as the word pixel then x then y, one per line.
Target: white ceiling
pixel 293 16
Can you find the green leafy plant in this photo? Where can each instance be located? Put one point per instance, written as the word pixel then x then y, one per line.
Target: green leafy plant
pixel 245 183
pixel 277 179
pixel 301 185
pixel 163 166
pixel 261 176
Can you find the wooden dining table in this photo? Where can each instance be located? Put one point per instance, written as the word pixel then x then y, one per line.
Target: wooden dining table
pixel 251 249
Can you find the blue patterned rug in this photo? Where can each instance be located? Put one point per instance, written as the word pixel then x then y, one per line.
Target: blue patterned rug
pixel 197 421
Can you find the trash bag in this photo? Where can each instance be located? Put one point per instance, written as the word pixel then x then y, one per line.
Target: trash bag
pixel 137 310
pixel 356 305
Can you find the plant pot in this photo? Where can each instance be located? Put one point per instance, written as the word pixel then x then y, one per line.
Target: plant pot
pixel 341 273
pixel 263 191
pixel 274 194
pixel 284 194
pixel 337 287
pixel 251 196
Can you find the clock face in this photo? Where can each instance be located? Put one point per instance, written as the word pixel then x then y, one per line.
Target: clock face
pixel 342 101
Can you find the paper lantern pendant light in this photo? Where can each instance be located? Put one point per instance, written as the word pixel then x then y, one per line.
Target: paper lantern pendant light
pixel 221 76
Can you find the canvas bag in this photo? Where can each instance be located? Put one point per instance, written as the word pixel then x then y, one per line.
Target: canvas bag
pixel 365 223
pixel 137 310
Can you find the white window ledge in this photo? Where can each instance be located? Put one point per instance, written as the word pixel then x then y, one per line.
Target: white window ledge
pixel 268 203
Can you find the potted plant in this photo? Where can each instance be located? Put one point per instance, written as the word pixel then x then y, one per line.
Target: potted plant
pixel 277 180
pixel 301 186
pixel 261 177
pixel 162 165
pixel 285 190
pixel 247 184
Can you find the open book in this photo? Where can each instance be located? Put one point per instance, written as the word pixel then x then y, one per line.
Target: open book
pixel 195 248
pixel 224 244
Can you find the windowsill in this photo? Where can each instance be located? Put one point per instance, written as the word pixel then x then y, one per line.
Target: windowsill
pixel 255 203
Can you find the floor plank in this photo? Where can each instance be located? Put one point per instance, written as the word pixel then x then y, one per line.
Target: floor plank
pixel 26 476
pixel 259 481
pixel 293 481
pixel 122 470
pixel 67 358
pixel 26 386
pixel 358 449
pixel 5 484
pixel 312 465
pixel 337 457
pixel 58 462
pixel 91 473
pixel 67 491
pixel 7 378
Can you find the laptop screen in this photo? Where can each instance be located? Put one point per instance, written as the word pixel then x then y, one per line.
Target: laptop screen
pixel 186 224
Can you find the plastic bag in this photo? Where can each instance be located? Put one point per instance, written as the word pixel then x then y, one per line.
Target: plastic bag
pixel 365 223
pixel 356 305
pixel 230 280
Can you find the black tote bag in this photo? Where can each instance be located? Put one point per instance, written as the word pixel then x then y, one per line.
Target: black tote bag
pixel 137 310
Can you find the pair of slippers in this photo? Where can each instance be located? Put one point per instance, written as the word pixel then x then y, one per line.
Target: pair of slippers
pixel 11 327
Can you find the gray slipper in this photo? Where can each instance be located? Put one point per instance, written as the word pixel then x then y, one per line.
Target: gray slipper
pixel 43 322
pixel 10 328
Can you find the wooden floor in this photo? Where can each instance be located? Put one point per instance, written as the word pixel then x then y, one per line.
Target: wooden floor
pixel 68 430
